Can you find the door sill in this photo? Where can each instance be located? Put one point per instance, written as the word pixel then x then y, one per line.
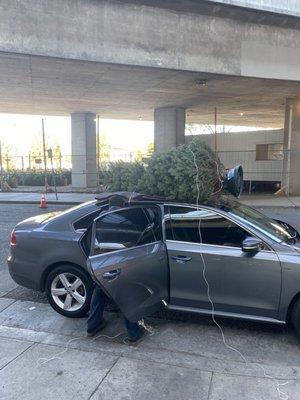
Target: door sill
pixel 203 311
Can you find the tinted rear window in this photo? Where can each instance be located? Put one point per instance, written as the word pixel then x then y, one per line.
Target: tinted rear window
pixel 86 221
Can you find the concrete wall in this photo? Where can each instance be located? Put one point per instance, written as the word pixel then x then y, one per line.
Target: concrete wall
pixel 288 7
pixel 240 148
pixel 122 33
pixel 291 169
pixel 169 128
pixel 84 161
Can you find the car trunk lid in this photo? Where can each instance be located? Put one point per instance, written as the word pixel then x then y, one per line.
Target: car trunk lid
pixel 34 222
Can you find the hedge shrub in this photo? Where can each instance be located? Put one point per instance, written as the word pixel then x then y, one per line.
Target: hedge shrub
pixel 36 177
pixel 174 174
pixel 121 175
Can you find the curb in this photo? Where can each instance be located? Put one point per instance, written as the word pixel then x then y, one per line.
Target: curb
pixel 37 202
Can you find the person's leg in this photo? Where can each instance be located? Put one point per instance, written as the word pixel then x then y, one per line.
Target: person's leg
pixel 134 330
pixel 95 318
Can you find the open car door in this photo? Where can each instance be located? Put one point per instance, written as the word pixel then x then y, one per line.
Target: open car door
pixel 128 259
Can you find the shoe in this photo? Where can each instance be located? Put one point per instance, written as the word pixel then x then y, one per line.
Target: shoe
pixel 138 337
pixel 98 329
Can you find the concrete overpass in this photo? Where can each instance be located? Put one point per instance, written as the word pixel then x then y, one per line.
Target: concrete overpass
pixel 171 60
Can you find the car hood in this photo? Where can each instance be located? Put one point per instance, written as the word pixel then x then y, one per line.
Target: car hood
pixel 33 222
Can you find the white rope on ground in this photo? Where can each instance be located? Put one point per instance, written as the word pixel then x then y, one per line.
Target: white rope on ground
pixel 282 395
pixel 57 356
pixel 43 360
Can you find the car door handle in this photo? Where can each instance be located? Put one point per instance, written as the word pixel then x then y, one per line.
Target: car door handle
pixel 181 259
pixel 111 274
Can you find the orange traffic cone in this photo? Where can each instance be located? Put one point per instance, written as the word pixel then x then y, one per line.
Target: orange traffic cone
pixel 43 202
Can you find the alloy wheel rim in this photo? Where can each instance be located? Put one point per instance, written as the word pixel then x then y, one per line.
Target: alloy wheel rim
pixel 68 292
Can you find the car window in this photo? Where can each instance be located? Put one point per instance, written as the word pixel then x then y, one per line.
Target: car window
pixel 202 226
pixel 83 223
pixel 127 228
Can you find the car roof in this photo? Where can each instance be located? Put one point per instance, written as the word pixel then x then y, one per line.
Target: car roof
pixel 132 198
pixel 129 197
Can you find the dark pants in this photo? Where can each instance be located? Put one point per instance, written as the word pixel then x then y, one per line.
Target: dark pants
pixel 96 315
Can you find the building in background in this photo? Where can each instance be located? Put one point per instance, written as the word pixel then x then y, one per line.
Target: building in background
pixel 259 152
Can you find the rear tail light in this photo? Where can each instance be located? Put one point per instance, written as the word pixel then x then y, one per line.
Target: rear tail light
pixel 13 238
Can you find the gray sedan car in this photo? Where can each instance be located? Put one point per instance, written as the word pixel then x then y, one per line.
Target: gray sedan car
pixel 153 254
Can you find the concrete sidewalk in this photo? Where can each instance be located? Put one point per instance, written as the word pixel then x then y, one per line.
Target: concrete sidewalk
pixel 271 201
pixel 76 198
pixel 44 355
pixel 33 198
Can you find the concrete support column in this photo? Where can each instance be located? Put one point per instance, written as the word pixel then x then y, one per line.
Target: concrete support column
pixel 291 163
pixel 169 127
pixel 84 166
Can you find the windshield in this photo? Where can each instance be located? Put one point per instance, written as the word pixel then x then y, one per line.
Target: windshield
pixel 257 220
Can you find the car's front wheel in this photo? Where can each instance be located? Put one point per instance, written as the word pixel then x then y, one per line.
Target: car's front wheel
pixel 69 290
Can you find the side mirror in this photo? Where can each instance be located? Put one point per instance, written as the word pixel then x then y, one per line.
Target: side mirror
pixel 252 245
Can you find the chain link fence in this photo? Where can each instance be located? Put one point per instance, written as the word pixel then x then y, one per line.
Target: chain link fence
pixel 264 171
pixel 30 170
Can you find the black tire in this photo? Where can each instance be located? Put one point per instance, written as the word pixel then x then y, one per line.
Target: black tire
pixel 85 290
pixel 295 317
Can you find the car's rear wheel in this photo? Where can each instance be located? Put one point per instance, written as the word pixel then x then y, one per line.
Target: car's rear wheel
pixel 69 291
pixel 295 317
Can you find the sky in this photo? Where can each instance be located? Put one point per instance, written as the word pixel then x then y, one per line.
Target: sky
pixel 19 132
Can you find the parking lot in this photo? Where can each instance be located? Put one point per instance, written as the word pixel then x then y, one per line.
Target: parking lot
pixel 184 358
